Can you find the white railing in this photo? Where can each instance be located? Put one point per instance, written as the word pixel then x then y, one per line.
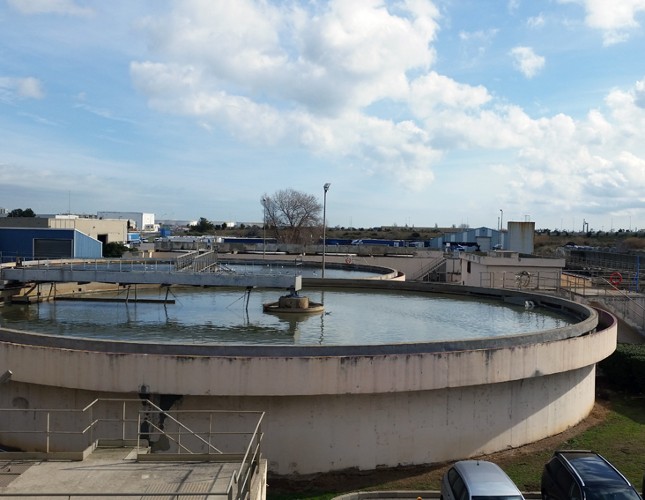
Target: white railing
pixel 521 280
pixel 626 304
pixel 70 433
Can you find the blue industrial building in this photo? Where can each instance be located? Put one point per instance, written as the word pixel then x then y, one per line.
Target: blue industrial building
pixel 481 238
pixel 47 243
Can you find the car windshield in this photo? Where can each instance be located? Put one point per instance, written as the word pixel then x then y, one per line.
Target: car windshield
pixel 604 493
pixel 497 497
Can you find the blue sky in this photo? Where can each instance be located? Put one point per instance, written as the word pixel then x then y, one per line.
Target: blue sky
pixel 417 112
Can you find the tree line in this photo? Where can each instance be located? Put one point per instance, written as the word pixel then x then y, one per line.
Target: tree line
pixel 19 212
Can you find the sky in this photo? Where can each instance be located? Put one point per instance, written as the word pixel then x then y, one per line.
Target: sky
pixel 419 113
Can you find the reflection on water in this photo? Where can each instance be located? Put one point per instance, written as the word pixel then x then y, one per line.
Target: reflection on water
pixel 223 316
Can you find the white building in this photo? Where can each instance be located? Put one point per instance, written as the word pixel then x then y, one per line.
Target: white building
pixel 507 269
pixel 138 220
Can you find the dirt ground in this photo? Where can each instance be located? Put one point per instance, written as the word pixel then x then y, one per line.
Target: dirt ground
pixel 411 477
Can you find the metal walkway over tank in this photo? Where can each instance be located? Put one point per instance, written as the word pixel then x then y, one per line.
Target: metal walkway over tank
pixel 190 270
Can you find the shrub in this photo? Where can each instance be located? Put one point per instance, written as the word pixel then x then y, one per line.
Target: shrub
pixel 114 249
pixel 625 368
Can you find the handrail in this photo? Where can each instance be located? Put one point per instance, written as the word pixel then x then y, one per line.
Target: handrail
pixel 522 280
pixel 435 264
pixel 254 459
pixel 239 485
pixel 599 287
pixel 167 414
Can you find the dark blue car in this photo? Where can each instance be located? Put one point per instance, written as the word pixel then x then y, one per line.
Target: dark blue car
pixel 584 475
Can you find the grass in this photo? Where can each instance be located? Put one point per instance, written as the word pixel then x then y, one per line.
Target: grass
pixel 619 436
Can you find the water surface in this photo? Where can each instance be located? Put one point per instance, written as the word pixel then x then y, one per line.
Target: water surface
pixel 229 316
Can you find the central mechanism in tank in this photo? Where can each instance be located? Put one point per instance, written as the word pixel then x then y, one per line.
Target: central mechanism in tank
pixel 293 303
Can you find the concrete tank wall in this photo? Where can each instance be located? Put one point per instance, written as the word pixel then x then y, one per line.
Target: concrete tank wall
pixel 174 373
pixel 311 434
pixel 306 434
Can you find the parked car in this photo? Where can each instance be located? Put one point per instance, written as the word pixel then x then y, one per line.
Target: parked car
pixel 584 475
pixel 478 480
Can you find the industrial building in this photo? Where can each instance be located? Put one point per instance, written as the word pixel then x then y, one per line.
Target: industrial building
pixel 139 221
pixel 17 244
pixel 104 230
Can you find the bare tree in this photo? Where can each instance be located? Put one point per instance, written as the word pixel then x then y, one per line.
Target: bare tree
pixel 292 216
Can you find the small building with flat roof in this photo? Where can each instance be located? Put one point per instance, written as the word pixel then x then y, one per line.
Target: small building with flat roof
pixel 507 269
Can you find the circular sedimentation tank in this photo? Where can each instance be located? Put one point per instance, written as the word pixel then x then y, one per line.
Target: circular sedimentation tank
pixel 352 316
pixel 332 406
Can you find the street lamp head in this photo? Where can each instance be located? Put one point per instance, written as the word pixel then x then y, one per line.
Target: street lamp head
pixel 326 186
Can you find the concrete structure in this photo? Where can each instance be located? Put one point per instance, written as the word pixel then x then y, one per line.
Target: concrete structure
pixel 106 231
pixel 33 244
pixel 520 237
pixel 505 269
pixel 138 220
pixel 334 407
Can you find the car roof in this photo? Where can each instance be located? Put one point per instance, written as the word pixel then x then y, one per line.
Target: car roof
pixel 486 479
pixel 593 468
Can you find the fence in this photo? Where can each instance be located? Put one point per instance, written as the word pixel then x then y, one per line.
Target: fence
pixel 607 290
pixel 195 435
pixel 548 281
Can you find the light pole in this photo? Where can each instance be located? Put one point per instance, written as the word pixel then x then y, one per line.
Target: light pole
pixel 501 220
pixel 326 188
pixel 264 227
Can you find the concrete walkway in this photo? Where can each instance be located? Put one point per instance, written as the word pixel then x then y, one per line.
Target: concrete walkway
pixel 114 472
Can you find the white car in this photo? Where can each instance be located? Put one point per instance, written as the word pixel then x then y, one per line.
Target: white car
pixel 478 480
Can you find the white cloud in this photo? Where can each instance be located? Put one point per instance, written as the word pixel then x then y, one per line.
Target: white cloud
pixel 639 94
pixel 527 61
pixel 614 18
pixel 22 88
pixel 66 7
pixel 536 21
pixel 513 5
pixel 432 90
pixel 341 57
pixel 628 114
pixel 595 165
pixel 476 43
pixel 287 74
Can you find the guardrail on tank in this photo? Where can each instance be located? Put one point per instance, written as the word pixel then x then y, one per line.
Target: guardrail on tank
pixel 197 262
pixel 72 434
pixel 609 291
pixel 521 280
pixel 115 265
